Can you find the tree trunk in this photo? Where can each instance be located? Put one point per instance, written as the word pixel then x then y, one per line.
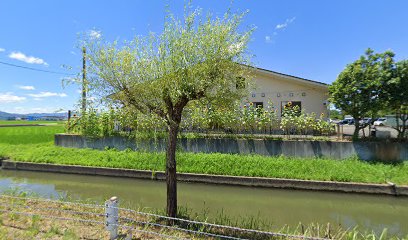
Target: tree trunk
pixel 404 119
pixel 356 128
pixel 397 118
pixel 171 171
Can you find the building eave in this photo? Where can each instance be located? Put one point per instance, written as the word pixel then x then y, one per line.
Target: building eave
pixel 293 78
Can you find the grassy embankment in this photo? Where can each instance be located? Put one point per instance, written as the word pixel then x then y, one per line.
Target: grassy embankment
pixel 36 218
pixel 35 144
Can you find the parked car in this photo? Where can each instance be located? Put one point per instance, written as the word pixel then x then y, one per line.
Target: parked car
pixel 370 120
pixel 342 122
pixel 334 121
pixel 367 121
pixel 349 121
pixel 380 122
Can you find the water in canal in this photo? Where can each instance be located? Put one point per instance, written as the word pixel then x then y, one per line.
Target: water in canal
pixel 279 207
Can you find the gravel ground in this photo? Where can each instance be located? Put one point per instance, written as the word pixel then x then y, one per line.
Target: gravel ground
pixel 349 130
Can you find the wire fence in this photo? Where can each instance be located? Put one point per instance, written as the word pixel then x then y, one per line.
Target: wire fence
pixel 109 221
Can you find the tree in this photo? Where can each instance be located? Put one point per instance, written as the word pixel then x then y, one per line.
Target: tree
pixel 359 88
pixel 192 59
pixel 397 96
pixel 336 114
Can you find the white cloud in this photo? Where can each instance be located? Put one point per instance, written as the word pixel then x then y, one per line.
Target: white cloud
pixel 47 94
pixel 27 87
pixel 285 24
pixel 95 34
pixel 27 59
pixel 41 110
pixel 73 53
pixel 2 49
pixel 271 39
pixel 18 109
pixel 9 97
pixel 279 27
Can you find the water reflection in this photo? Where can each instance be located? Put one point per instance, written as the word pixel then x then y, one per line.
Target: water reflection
pixel 276 206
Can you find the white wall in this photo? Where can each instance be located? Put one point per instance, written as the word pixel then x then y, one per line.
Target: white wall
pixel 278 89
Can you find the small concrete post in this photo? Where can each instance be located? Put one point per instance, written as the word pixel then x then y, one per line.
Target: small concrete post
pixel 112 217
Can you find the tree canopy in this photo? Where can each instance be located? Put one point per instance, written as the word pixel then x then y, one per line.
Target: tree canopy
pixel 199 57
pixel 396 96
pixel 360 87
pixel 373 84
pixel 191 59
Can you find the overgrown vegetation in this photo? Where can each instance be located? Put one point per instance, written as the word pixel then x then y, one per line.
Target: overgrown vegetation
pixel 35 218
pixel 14 225
pixel 34 144
pixel 202 118
pixel 351 170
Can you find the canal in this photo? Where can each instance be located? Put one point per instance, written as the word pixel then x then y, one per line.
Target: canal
pixel 276 206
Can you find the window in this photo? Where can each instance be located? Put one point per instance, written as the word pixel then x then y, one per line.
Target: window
pixel 258 104
pixel 259 107
pixel 297 103
pixel 240 84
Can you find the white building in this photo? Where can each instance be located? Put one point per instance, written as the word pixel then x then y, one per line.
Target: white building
pixel 279 89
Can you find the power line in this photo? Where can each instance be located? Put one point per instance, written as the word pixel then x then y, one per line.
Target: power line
pixel 35 69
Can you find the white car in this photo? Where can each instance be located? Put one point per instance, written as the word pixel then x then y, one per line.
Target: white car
pixel 380 122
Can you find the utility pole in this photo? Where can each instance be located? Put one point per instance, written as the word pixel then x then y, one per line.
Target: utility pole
pixel 84 83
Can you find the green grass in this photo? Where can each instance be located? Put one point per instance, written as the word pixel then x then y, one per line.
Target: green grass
pixel 36 227
pixel 35 144
pixel 23 136
pixel 13 122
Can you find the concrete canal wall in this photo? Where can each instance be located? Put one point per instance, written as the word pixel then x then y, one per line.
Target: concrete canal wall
pixel 369 151
pixel 382 189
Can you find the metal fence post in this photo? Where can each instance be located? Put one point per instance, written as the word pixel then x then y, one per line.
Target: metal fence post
pixel 112 217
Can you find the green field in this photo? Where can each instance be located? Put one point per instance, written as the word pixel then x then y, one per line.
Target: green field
pixel 23 122
pixel 35 144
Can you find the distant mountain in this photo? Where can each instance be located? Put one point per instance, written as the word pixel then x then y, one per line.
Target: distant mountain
pixel 64 114
pixel 5 115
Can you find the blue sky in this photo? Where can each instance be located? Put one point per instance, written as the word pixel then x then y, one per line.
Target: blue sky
pixel 309 39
